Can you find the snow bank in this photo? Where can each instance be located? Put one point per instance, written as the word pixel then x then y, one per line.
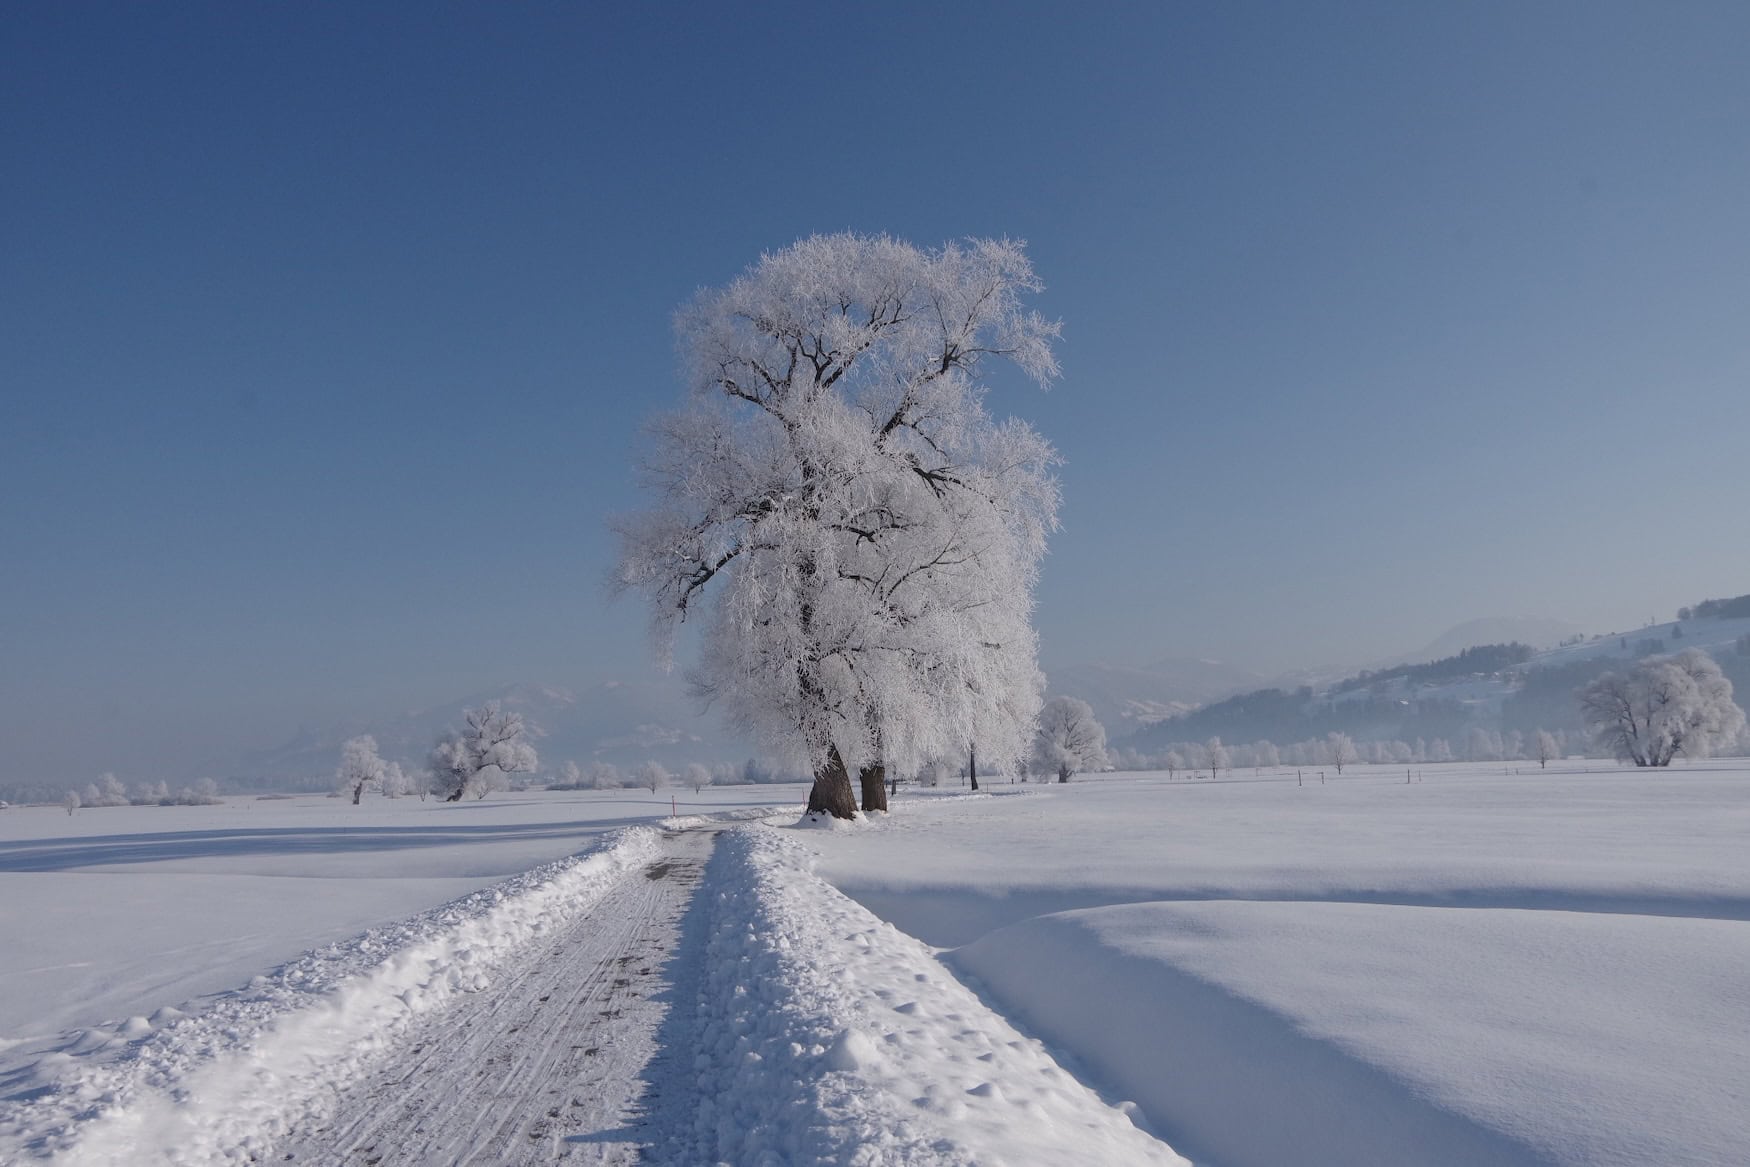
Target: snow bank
pixel 219 1085
pixel 825 1035
pixel 1438 1037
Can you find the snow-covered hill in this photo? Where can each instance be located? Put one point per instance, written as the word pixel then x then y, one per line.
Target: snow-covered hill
pixel 1406 703
pixel 1533 630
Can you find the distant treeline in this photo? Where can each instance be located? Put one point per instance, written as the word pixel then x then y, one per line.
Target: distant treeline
pixel 1733 609
pixel 1294 715
pixel 1483 659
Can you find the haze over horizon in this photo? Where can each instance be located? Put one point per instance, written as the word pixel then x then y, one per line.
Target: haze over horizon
pixel 329 333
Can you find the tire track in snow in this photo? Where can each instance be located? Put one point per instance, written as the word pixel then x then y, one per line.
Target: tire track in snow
pixel 545 1064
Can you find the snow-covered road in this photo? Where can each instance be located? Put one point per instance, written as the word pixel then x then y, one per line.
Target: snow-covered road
pixel 693 994
pixel 546 1063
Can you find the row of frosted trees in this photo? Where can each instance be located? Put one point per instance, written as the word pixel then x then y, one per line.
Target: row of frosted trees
pixel 1337 750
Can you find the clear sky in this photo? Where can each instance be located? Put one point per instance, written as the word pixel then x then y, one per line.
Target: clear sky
pixel 326 329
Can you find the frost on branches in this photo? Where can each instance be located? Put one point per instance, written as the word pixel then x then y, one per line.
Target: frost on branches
pixel 1662 707
pixel 865 534
pixel 489 748
pixel 1069 740
pixel 359 766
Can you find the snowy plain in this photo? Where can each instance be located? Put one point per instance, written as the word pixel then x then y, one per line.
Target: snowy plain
pixel 1483 964
pixel 1473 966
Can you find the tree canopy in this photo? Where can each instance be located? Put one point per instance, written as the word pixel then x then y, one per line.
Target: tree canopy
pixel 1662 707
pixel 868 534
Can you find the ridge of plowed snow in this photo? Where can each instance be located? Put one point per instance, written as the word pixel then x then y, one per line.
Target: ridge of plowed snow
pixel 823 1034
pixel 213 1086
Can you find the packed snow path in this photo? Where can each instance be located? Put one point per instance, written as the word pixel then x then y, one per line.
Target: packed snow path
pixel 545 1064
pixel 681 997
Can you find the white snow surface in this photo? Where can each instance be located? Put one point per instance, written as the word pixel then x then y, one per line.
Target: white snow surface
pixel 803 1030
pixel 117 911
pixel 823 1035
pixel 1473 968
pixel 1486 964
pixel 218 1086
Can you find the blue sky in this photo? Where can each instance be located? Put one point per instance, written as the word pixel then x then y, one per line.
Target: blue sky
pixel 328 329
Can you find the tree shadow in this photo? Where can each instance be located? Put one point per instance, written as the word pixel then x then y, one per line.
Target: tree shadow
pixel 44 855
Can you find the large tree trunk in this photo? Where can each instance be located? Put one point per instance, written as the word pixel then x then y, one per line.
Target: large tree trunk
pixel 972 764
pixel 832 793
pixel 874 779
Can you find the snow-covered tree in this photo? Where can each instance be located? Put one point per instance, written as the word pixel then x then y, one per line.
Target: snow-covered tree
pixel 1265 753
pixel 394 782
pixel 1174 762
pixel 1481 745
pixel 697 775
pixel 653 776
pixel 1215 756
pixel 106 791
pixel 72 802
pixel 605 776
pixel 1068 740
pixel 1662 707
pixel 570 776
pixel 1546 748
pixel 359 766
pixel 1341 750
pixel 481 757
pixel 870 533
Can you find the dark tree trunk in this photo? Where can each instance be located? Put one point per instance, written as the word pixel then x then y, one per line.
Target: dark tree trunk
pixel 874 780
pixel 456 794
pixel 832 793
pixel 1063 773
pixel 356 792
pixel 972 764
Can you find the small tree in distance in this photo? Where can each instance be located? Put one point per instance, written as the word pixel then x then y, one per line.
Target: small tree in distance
pixel 489 748
pixel 1342 750
pixel 698 776
pixel 359 766
pixel 1069 740
pixel 1546 748
pixel 652 776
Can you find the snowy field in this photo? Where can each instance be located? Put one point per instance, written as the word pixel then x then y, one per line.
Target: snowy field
pixel 118 910
pixel 1473 967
